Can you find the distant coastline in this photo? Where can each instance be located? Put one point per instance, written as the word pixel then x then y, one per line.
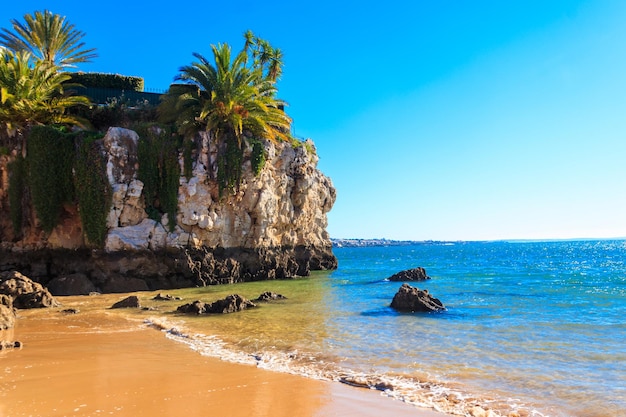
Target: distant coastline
pixel 355 243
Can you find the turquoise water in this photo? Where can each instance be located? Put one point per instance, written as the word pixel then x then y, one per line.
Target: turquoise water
pixel 542 322
pixel 532 327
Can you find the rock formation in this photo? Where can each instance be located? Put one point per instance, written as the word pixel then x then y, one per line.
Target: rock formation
pixel 24 292
pixel 415 274
pixel 272 227
pixel 411 299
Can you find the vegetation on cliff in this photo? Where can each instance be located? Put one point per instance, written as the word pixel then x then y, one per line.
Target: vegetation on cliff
pixel 231 97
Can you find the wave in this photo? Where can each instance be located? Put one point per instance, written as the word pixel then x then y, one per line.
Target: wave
pixel 435 395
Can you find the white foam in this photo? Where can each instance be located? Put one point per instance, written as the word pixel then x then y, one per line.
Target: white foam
pixel 425 394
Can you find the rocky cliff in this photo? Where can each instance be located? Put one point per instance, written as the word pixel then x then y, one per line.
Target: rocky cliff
pixel 272 226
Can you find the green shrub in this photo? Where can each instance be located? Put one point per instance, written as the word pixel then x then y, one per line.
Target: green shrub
pixel 102 80
pixel 50 161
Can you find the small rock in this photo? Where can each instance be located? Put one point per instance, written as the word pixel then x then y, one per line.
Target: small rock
pixel 70 311
pixel 128 302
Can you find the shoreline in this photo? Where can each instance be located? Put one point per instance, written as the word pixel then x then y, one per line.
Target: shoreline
pixel 97 363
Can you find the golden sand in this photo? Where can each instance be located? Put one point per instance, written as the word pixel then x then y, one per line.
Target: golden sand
pixel 99 364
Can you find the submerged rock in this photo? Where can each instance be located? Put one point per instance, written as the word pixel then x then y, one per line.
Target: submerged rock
pixel 25 292
pixel 166 297
pixel 411 299
pixel 231 304
pixel 128 302
pixel 270 296
pixel 415 274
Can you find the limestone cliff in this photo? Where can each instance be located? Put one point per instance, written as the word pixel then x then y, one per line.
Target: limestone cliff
pixel 272 226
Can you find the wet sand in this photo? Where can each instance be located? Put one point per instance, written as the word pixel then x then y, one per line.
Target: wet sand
pixel 100 364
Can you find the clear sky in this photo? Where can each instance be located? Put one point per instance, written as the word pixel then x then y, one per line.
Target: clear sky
pixel 443 120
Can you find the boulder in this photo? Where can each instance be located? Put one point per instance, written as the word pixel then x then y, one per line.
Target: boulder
pixel 25 292
pixel 411 299
pixel 74 284
pixel 230 304
pixel 7 314
pixel 128 302
pixel 270 296
pixel 415 274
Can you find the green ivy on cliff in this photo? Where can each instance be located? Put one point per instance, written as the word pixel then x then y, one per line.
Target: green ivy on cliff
pixel 229 165
pixel 258 156
pixel 17 176
pixel 50 161
pixel 93 191
pixel 159 171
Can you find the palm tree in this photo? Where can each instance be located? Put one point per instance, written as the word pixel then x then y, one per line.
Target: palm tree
pixel 48 37
pixel 33 94
pixel 263 55
pixel 232 100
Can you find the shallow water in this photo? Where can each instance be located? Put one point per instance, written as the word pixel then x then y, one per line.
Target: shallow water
pixel 536 327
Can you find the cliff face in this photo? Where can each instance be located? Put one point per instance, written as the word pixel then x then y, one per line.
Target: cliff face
pixel 284 206
pixel 272 226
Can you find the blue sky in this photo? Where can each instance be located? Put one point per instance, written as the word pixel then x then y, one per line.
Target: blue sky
pixel 444 120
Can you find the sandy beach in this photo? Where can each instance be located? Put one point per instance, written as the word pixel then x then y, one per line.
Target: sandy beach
pixel 96 363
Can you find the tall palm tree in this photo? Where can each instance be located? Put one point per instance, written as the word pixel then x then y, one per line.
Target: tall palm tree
pixel 48 37
pixel 232 100
pixel 33 94
pixel 227 98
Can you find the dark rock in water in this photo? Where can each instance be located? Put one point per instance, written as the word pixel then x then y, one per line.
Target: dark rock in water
pixel 270 296
pixel 196 307
pixel 230 304
pixel 412 299
pixel 25 292
pixel 128 302
pixel 73 284
pixel 7 314
pixel 415 274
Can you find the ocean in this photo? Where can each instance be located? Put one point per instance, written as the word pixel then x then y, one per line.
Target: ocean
pixel 533 328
